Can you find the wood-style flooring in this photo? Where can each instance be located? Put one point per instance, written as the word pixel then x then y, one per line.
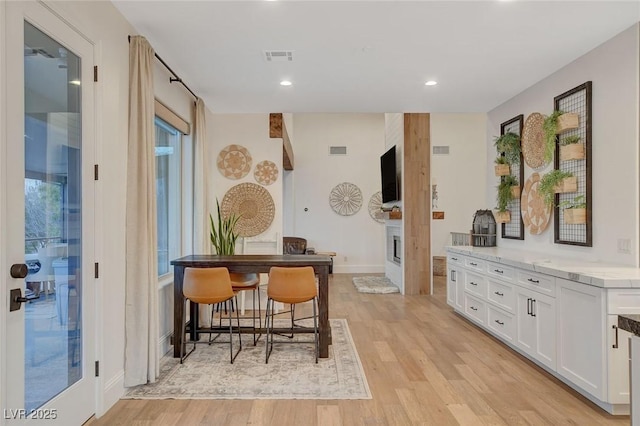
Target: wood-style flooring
pixel 425 366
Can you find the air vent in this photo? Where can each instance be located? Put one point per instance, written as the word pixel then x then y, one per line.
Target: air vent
pixel 441 150
pixel 337 150
pixel 278 55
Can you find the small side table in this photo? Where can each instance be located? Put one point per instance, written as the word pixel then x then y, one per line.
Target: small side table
pixel 332 254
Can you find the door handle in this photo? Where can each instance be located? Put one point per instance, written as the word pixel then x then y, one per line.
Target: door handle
pixel 528 306
pixel 615 345
pixel 19 270
pixel 533 307
pixel 16 299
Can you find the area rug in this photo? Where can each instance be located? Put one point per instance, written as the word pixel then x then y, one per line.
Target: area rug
pixel 291 373
pixel 373 284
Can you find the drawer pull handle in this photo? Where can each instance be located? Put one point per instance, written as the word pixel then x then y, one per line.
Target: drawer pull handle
pixel 531 280
pixel 499 322
pixel 498 293
pixel 454 258
pixel 499 271
pixel 473 264
pixel 473 308
pixel 615 345
pixel 472 283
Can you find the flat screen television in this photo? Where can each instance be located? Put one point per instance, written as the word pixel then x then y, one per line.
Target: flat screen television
pixel 389 176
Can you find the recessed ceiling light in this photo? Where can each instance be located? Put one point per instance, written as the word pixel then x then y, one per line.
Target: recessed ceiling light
pixel 285 83
pixel 431 83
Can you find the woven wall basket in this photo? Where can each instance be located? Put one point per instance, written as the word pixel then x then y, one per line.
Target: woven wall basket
pixel 253 204
pixel 533 141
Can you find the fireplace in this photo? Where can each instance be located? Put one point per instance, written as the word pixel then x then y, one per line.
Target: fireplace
pixel 397 249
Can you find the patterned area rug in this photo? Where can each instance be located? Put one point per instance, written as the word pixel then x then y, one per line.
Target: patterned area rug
pixel 372 284
pixel 291 373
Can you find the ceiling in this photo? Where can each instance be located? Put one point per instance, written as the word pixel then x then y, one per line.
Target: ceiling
pixel 371 56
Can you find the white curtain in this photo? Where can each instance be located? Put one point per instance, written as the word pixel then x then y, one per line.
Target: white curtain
pixel 201 241
pixel 142 360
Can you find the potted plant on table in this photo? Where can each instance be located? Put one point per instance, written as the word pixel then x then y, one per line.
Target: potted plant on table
pixel 223 234
pixel 556 181
pixel 571 148
pixel 574 211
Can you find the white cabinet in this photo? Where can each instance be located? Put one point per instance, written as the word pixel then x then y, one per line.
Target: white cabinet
pixel 568 327
pixel 536 326
pixel 581 336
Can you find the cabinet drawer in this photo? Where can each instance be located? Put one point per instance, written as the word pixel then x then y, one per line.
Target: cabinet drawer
pixel 501 323
pixel 473 263
pixel 475 308
pixel 505 273
pixel 475 284
pixel 455 259
pixel 502 295
pixel 544 284
pixel 623 301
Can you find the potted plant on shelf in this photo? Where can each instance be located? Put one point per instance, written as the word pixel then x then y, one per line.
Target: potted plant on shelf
pixel 223 234
pixel 509 145
pixel 571 148
pixel 574 211
pixel 502 166
pixel 555 123
pixel 504 196
pixel 556 181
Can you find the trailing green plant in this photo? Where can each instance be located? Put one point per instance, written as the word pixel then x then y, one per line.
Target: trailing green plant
pixel 504 195
pixel 546 187
pixel 509 145
pixel 223 234
pixel 501 160
pixel 550 128
pixel 578 202
pixel 570 140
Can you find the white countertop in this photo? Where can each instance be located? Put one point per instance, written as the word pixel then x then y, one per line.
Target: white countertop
pixel 597 274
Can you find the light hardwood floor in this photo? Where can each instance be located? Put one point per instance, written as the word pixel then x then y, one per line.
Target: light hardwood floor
pixel 425 365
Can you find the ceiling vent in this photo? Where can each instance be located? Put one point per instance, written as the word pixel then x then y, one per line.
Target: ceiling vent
pixel 337 150
pixel 278 55
pixel 441 150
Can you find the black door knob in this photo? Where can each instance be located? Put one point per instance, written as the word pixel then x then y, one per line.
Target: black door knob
pixel 19 270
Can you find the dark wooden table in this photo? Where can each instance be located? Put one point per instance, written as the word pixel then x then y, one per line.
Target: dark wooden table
pixel 250 263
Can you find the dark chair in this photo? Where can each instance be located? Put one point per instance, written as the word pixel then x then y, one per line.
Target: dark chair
pixel 294 245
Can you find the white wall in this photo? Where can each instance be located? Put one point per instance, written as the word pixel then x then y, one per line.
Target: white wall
pixel 460 176
pixel 613 69
pixel 252 132
pixel 358 239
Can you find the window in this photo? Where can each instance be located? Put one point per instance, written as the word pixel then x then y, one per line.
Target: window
pixel 168 172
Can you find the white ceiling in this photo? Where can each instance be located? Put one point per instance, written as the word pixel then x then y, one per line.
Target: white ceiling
pixel 371 56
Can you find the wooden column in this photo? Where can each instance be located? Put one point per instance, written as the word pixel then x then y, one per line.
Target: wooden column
pixel 277 129
pixel 416 204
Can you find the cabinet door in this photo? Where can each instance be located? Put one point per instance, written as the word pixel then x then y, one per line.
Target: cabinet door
pixel 460 278
pixel 536 326
pixel 581 335
pixel 618 362
pixel 452 273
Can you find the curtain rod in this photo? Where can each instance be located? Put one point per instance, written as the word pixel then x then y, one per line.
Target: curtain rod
pixel 175 77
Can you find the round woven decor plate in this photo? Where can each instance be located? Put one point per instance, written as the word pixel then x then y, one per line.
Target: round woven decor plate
pixel 266 172
pixel 533 141
pixel 253 204
pixel 375 204
pixel 345 199
pixel 535 213
pixel 234 162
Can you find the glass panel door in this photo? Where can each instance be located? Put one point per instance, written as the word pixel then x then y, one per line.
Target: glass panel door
pixel 53 217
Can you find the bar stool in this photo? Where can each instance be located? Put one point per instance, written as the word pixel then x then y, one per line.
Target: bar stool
pixel 209 286
pixel 245 282
pixel 291 285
